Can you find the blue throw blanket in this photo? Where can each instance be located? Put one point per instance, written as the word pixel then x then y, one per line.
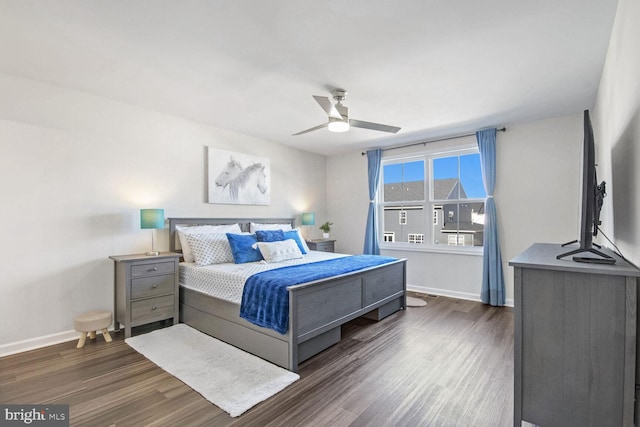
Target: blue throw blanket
pixel 265 300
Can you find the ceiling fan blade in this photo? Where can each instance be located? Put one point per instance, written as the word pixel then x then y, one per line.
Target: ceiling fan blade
pixel 324 125
pixel 328 107
pixel 373 126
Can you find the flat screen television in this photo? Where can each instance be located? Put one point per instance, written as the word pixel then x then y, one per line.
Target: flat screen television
pixel 591 204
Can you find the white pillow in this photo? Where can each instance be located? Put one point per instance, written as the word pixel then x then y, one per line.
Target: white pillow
pixel 210 248
pixel 257 226
pixel 279 251
pixel 184 230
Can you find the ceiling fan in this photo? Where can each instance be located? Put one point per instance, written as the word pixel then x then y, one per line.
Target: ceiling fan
pixel 339 120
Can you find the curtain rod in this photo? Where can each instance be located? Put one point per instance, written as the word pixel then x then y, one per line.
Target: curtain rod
pixel 503 129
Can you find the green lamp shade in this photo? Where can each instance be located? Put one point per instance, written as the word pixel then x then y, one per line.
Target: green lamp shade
pixel 151 218
pixel 309 218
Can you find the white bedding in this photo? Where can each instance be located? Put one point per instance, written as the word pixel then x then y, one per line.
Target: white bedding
pixel 226 281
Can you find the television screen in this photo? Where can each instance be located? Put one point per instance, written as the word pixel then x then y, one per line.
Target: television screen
pixel 591 203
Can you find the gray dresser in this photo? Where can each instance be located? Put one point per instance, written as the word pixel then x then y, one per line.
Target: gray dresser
pixel 146 289
pixel 575 340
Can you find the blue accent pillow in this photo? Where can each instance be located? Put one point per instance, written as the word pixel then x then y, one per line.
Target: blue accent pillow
pixel 293 234
pixel 269 235
pixel 242 248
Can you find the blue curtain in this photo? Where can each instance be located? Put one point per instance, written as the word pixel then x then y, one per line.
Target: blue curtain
pixel 371 246
pixel 492 276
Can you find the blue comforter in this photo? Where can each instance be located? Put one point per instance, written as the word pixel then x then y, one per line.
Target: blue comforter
pixel 265 300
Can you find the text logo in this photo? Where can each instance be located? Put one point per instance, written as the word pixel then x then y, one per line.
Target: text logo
pixel 34 415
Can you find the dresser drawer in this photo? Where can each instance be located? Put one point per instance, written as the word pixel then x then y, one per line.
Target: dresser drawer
pixel 321 245
pixel 152 268
pixel 152 308
pixel 325 247
pixel 146 287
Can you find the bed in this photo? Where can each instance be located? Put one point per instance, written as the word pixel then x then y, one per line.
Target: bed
pixel 317 308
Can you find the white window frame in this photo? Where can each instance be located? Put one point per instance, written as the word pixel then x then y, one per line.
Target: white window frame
pixel 427 155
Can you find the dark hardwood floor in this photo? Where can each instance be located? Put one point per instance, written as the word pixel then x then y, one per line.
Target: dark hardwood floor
pixel 447 364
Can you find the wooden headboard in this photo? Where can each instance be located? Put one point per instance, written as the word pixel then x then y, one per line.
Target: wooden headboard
pixel 244 224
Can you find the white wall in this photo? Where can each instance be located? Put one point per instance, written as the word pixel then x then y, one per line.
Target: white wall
pixel 616 122
pixel 537 198
pixel 348 200
pixel 538 185
pixel 74 171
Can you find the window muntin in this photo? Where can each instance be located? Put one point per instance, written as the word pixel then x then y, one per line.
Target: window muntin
pixel 437 197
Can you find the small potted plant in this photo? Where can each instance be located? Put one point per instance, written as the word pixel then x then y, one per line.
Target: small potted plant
pixel 326 228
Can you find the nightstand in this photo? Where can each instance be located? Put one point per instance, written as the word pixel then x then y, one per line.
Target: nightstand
pixel 146 289
pixel 323 245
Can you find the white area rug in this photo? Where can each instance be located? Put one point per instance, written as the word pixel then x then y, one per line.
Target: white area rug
pixel 228 377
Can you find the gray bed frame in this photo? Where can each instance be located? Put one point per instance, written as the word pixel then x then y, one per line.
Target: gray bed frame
pixel 316 309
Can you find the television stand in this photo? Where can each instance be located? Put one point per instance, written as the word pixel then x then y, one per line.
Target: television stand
pixel 592 260
pixel 576 241
pixel 604 258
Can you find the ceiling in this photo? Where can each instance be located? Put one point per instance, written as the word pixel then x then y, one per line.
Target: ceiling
pixel 434 68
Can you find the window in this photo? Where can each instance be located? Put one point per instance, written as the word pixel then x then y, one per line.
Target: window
pixel 456 240
pixel 403 218
pixel 433 199
pixel 403 198
pixel 457 186
pixel 416 238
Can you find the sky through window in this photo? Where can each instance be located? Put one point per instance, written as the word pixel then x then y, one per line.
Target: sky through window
pixel 443 168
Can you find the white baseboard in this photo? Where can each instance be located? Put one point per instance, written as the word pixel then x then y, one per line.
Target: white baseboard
pixel 39 342
pixel 451 294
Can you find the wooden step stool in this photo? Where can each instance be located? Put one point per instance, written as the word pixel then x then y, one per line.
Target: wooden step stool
pixel 90 322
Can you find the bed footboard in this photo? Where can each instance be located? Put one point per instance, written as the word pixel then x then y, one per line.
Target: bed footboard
pixel 375 292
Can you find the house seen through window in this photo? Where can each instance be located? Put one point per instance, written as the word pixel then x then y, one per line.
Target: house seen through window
pixel 433 199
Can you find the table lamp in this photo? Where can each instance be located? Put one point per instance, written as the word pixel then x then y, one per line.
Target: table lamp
pixel 153 219
pixel 308 218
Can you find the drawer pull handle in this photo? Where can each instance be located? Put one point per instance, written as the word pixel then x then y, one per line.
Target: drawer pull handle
pixel 154 269
pixel 153 308
pixel 154 286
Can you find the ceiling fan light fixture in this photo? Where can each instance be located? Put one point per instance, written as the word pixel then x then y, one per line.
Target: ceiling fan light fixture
pixel 338 115
pixel 337 125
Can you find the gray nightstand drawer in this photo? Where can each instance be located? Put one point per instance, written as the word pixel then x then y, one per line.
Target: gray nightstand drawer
pixel 152 268
pixel 325 247
pixel 321 245
pixel 145 287
pixel 146 310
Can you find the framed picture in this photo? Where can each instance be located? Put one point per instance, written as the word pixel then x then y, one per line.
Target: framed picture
pixel 238 178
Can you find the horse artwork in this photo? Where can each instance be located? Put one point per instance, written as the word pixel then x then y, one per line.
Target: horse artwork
pixel 231 183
